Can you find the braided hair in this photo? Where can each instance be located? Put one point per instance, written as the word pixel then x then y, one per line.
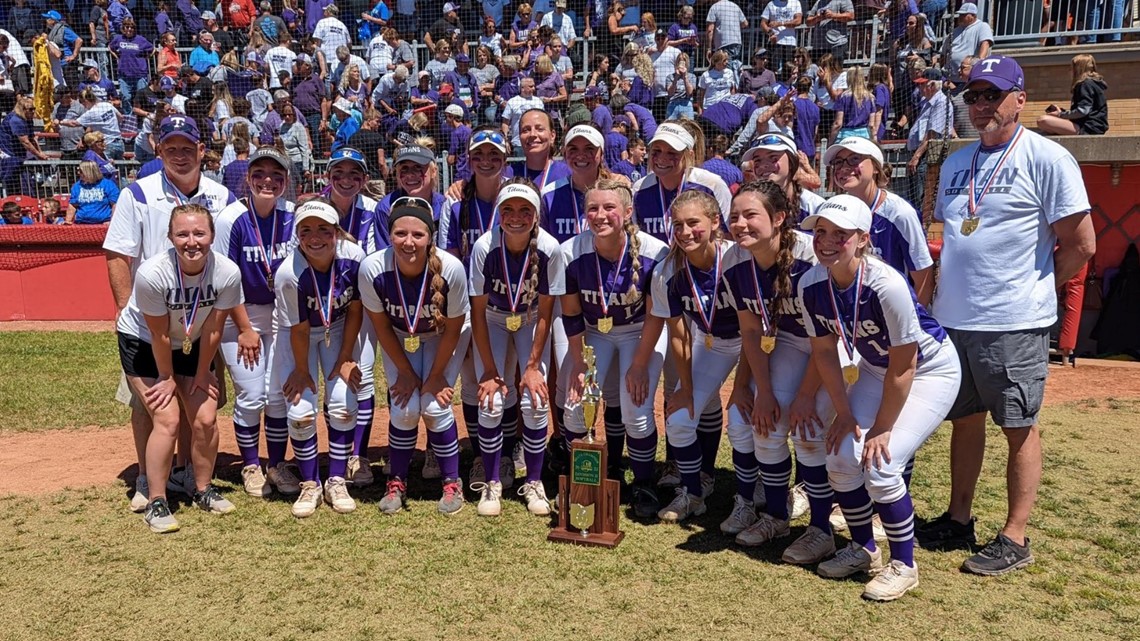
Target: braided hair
pixel 625 195
pixel 435 269
pixel 774 199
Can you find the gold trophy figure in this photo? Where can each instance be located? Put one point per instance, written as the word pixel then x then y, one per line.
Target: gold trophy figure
pixel 591 393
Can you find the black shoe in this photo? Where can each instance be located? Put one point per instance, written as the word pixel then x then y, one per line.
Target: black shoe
pixel 944 533
pixel 1000 556
pixel 557 456
pixel 645 502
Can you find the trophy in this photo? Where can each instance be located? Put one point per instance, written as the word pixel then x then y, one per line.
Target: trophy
pixel 588 502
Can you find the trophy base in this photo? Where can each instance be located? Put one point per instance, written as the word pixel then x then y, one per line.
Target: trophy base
pixel 601 539
pixel 606 533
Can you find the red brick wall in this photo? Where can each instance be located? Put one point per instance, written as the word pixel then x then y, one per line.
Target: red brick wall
pixel 1052 84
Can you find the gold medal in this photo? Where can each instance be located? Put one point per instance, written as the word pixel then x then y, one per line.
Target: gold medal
pixel 412 344
pixel 708 341
pixel 605 324
pixel 514 322
pixel 850 374
pixel 767 343
pixel 328 337
pixel 970 225
pixel 187 346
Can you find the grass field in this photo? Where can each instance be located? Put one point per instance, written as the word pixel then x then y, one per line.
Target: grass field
pixel 77 565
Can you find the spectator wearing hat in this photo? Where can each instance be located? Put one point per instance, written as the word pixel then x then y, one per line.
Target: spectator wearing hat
pixel 758 76
pixel 447 98
pixel 664 58
pixel 446 28
pixel 132 54
pixel 935 121
pixel 93 79
pixel 457 144
pixel 223 41
pixel 599 113
pixel 67 43
pixel 331 34
pixel 465 82
pixel 562 24
pixel 347 118
pixel 422 95
pixel 617 141
pixel 779 21
pixel 971 37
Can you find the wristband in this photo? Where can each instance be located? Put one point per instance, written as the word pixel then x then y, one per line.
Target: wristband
pixel 574 324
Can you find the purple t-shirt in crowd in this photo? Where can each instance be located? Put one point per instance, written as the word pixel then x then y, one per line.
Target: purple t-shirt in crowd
pixel 459 139
pixel 134 55
pixel 883 103
pixel 806 125
pixel 855 114
pixel 603 118
pixel 616 143
pixel 233 177
pixel 728 172
pixel 646 123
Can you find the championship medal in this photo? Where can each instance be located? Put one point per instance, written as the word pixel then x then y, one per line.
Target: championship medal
pixel 412 344
pixel 706 317
pixel 514 322
pixel 850 374
pixel 187 345
pixel 412 318
pixel 606 322
pixel 325 306
pixel 768 344
pixel 768 340
pixel 189 315
pixel 974 197
pixel 848 337
pixel 514 294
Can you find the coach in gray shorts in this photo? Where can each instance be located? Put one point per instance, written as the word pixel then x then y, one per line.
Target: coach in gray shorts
pixel 1016 227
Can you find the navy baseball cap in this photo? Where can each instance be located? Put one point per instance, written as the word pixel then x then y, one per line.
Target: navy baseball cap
pixel 53 15
pixel 166 83
pixel 462 58
pixel 930 73
pixel 347 154
pixel 1002 72
pixel 178 125
pixel 414 153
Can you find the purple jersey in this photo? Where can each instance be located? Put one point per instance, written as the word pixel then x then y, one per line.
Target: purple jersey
pixel 358 220
pixel 602 117
pixel 248 239
pixel 728 172
pixel 385 290
pixel 376 236
pixel 678 289
pixel 588 274
pixel 651 201
pixel 472 218
pixel 887 313
pixel 748 283
pixel 303 292
pixel 564 209
pixel 492 269
pixel 855 114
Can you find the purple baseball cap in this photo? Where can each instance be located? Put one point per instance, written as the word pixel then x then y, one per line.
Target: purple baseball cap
pixel 1002 72
pixel 178 125
pixel 593 92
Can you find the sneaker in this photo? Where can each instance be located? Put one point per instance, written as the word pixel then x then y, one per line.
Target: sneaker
pixel 682 507
pixel 490 495
pixel 877 529
pixel 766 528
pixel 139 500
pixel 837 520
pixel 759 499
pixel 895 580
pixel 336 495
pixel 670 475
pixel 478 474
pixel 393 500
pixel 158 517
pixel 308 500
pixel 708 484
pixel 253 480
pixel 534 493
pixel 742 517
pixel 852 559
pixel 507 472
pixel 212 501
pixel 282 478
pixel 813 546
pixel 359 473
pixel 998 557
pixel 797 502
pixel 452 501
pixel 518 456
pixel 431 466
pixel 181 481
pixel 944 533
pixel 644 500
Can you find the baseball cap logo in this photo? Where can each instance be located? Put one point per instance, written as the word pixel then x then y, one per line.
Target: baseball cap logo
pixel 988 64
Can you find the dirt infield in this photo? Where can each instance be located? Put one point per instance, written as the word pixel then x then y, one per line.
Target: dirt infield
pixel 95 456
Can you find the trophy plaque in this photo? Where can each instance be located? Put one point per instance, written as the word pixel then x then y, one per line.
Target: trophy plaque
pixel 588 502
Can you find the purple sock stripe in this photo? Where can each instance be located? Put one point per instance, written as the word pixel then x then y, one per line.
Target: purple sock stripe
pixel 248 437
pixel 445 444
pixel 775 478
pixel 306 452
pixel 401 445
pixel 340 448
pixel 747 471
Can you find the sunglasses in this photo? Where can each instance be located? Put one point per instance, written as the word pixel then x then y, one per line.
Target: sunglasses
pixel 850 161
pixel 487 135
pixel 771 140
pixel 412 201
pixel 971 96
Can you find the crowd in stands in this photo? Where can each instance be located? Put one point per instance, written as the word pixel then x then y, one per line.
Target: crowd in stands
pixel 310 76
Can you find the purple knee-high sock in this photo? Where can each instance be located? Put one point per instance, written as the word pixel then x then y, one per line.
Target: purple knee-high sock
pixel 689 463
pixel 363 433
pixel 642 452
pixel 401 445
pixel 819 495
pixel 709 428
pixel 747 471
pixel 276 438
pixel 857 511
pixel 799 472
pixel 445 444
pixel 340 448
pixel 775 479
pixel 534 451
pixel 615 435
pixel 510 425
pixel 247 437
pixel 306 452
pixel 491 444
pixel 898 521
pixel 471 422
pixel 670 451
pixel 908 472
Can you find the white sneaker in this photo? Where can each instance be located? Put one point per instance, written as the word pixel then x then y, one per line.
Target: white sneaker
pixel 507 472
pixel 670 475
pixel 894 581
pixel 490 498
pixel 283 479
pixel 534 493
pixel 682 507
pixel 742 517
pixel 708 484
pixel 852 559
pixel 766 528
pixel 431 465
pixel 478 474
pixel 359 473
pixel 839 524
pixel 877 530
pixel 253 479
pixel 519 459
pixel 759 499
pixel 139 499
pixel 813 546
pixel 797 502
pixel 336 495
pixel 308 500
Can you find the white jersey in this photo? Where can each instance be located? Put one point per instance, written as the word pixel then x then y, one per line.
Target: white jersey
pixel 381 286
pixel 279 59
pixel 156 293
pixel 897 235
pixel 1000 277
pixel 142 216
pixel 332 33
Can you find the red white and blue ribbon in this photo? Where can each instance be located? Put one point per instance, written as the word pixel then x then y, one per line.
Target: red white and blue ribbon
pixel 514 296
pixel 412 320
pixel 975 198
pixel 848 339
pixel 324 306
pixel 706 316
pixel 191 313
pixel 266 252
pixel 668 228
pixel 616 275
pixel 767 321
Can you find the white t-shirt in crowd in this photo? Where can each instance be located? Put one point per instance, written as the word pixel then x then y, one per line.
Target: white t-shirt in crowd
pixel 156 293
pixel 717 85
pixel 783 11
pixel 279 59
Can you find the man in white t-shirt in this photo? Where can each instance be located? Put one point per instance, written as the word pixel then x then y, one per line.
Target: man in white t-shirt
pixel 779 20
pixel 725 23
pixel 331 33
pixel 971 37
pixel 138 230
pixel 278 59
pixel 1017 226
pixel 517 106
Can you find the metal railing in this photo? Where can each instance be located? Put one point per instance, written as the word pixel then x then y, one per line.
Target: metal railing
pixel 1029 23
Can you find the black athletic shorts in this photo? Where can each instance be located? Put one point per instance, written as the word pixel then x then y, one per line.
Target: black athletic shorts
pixel 137 358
